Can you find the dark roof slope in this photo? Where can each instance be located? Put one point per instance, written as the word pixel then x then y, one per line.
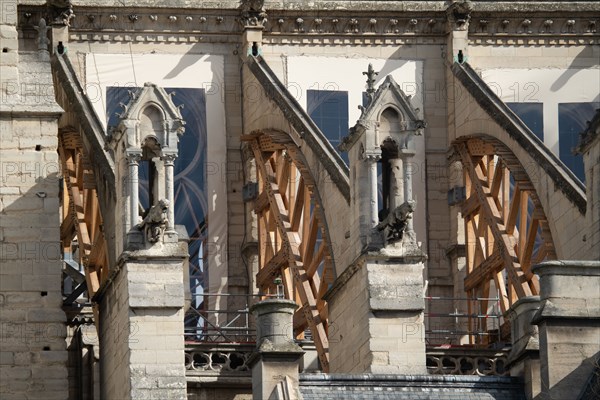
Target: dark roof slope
pixel 409 387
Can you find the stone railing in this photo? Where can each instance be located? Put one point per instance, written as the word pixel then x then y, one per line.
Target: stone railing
pixel 212 359
pixel 461 361
pixel 206 359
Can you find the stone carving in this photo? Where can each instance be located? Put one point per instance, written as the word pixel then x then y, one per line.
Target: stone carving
pixel 42 30
pixel 61 12
pixel 371 74
pixel 253 13
pixel 155 223
pixel 217 361
pixel 394 224
pixel 459 14
pixel 493 364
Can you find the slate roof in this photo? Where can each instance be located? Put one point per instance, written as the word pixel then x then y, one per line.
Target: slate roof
pixel 409 387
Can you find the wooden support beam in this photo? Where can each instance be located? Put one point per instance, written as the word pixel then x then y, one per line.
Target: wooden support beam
pixel 493 219
pixel 297 243
pixel 272 268
pixel 484 271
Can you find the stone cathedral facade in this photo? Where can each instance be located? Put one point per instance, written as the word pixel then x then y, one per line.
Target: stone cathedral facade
pixel 299 200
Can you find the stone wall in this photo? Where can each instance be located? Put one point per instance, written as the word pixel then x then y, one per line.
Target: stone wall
pixel 141 332
pixel 376 316
pixel 33 354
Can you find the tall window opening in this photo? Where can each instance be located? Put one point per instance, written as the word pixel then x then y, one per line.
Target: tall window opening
pixel 572 120
pixel 329 110
pixel 190 187
pixel 532 114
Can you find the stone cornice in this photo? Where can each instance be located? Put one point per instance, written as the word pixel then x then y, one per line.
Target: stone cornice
pixel 137 22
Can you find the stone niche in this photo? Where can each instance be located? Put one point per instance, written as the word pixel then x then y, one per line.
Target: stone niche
pixel 148 133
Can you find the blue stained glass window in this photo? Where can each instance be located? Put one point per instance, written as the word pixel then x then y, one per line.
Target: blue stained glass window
pixel 532 114
pixel 572 120
pixel 190 196
pixel 329 110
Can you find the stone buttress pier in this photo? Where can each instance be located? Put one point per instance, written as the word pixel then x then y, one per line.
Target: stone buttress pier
pixel 376 305
pixel 142 304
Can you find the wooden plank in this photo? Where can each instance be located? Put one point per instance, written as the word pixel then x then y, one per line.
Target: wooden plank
pixel 271 268
pixel 523 223
pixel 261 203
pixel 308 242
pixel 314 264
pixel 483 271
pixel 469 207
pixel 529 244
pixel 514 210
pixel 298 207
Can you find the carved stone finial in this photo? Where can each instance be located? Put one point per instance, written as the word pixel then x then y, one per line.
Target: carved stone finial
pixel 371 74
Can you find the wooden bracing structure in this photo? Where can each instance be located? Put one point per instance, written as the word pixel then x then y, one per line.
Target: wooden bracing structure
pixel 293 242
pixel 505 227
pixel 81 217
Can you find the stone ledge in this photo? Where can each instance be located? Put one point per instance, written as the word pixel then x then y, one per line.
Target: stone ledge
pixel 567 268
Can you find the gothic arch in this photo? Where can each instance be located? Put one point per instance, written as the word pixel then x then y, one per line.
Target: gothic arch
pixel 506 228
pixel 294 240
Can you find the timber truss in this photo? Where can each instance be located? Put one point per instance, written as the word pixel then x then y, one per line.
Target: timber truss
pixel 81 217
pixel 505 226
pixel 293 240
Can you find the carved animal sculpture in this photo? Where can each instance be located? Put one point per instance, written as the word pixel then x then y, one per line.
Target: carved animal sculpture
pixel 395 222
pixel 155 221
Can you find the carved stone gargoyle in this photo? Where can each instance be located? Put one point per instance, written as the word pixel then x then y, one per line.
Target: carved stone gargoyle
pixel 61 12
pixel 155 222
pixel 394 224
pixel 253 13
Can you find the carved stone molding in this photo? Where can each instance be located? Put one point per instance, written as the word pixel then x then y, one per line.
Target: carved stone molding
pixel 526 25
pixel 148 25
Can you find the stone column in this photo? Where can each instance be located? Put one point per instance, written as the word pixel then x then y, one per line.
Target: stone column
pixel 569 326
pixel 275 363
pixel 524 358
pixel 134 196
pixel 408 186
pixel 373 206
pixel 396 183
pixel 169 162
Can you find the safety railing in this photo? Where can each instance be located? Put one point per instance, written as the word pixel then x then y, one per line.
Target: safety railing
pixel 460 327
pixel 221 318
